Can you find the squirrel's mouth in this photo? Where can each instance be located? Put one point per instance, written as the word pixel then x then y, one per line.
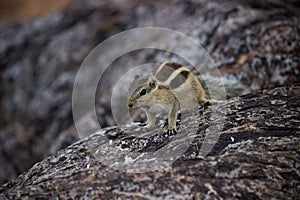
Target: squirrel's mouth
pixel 135 104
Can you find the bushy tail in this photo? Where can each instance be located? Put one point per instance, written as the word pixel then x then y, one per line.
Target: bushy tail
pixel 221 88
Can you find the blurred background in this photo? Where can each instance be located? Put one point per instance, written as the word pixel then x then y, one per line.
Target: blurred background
pixel 16 11
pixel 43 43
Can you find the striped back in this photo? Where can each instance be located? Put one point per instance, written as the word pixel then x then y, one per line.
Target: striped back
pixel 165 74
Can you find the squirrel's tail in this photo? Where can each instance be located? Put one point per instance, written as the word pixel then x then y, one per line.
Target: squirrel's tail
pixel 221 88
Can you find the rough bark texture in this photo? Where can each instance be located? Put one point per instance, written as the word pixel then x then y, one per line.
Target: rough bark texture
pixel 261 162
pixel 254 42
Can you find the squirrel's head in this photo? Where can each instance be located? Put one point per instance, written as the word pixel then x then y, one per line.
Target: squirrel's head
pixel 142 96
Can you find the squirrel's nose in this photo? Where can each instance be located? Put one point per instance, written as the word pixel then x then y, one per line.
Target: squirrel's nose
pixel 130 105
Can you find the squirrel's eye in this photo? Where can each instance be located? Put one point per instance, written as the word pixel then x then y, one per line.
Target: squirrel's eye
pixel 143 92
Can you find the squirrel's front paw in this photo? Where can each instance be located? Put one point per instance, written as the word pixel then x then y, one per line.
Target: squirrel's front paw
pixel 171 132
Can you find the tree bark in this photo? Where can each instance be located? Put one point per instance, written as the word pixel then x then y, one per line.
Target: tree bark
pixel 262 161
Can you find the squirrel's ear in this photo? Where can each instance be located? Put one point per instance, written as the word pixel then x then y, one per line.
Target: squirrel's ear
pixel 152 82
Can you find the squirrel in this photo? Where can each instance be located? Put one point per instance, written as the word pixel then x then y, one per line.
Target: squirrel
pixel 172 86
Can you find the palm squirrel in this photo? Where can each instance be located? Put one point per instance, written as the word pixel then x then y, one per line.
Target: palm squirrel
pixel 172 86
